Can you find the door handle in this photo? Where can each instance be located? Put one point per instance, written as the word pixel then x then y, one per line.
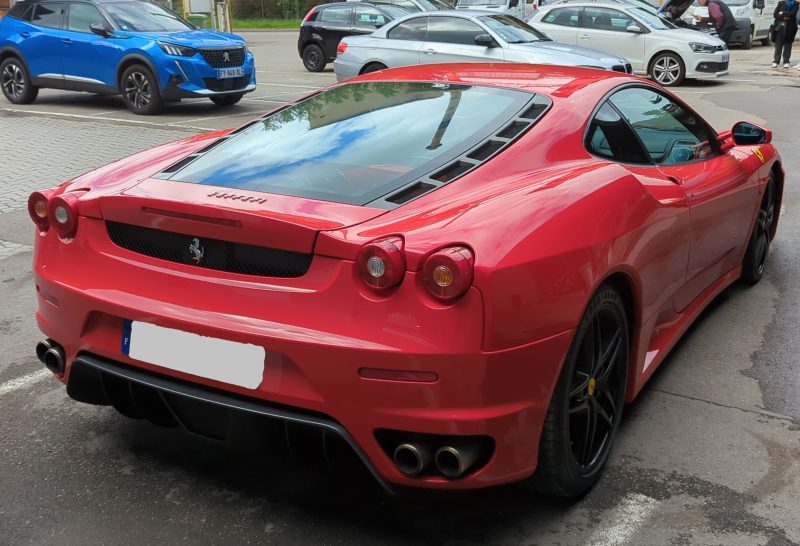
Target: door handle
pixel 583 36
pixel 25 34
pixel 67 41
pixel 429 51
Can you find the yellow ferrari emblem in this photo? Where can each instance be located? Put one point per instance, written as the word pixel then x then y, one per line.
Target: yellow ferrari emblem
pixel 592 385
pixel 759 154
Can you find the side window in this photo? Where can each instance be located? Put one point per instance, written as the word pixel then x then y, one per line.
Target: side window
pixel 670 133
pixel 606 19
pixel 369 17
pixel 453 30
pixel 413 29
pixel 611 137
pixel 82 16
pixel 48 15
pixel 410 6
pixel 566 17
pixel 21 11
pixel 339 15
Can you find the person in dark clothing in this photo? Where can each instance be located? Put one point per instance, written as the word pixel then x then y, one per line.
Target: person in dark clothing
pixel 784 31
pixel 722 18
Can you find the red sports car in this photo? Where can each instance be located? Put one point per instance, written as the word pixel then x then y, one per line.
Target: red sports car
pixel 462 271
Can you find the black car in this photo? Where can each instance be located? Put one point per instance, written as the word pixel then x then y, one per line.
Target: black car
pixel 325 25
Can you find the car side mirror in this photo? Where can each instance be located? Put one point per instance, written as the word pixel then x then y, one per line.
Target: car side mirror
pixel 485 40
pixel 759 4
pixel 100 29
pixel 745 133
pixel 636 29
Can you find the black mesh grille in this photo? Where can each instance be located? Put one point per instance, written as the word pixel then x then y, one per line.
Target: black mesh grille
pixel 216 254
pixel 224 58
pixel 229 84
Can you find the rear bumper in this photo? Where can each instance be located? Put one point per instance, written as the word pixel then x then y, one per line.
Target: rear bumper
pixel 318 332
pixel 345 69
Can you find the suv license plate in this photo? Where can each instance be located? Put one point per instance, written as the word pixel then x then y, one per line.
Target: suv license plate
pixel 223 73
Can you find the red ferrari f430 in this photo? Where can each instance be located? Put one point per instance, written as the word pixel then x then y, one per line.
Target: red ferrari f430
pixel 462 272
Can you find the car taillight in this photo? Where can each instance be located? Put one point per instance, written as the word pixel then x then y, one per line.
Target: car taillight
pixel 62 212
pixel 381 264
pixel 309 14
pixel 447 273
pixel 341 48
pixel 37 208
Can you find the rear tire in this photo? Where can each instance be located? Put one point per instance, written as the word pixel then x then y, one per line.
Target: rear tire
pixel 373 67
pixel 768 40
pixel 314 58
pixel 748 41
pixel 755 258
pixel 227 100
pixel 139 89
pixel 586 406
pixel 16 83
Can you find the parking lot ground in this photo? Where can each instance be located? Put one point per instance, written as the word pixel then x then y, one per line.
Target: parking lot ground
pixel 708 454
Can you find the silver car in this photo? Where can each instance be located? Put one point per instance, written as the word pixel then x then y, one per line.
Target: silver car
pixel 460 36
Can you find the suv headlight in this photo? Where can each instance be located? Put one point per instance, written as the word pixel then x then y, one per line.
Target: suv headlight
pixel 702 48
pixel 180 51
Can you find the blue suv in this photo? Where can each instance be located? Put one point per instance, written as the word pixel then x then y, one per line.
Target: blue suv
pixel 134 48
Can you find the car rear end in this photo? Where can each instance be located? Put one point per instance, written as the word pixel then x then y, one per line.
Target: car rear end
pixel 183 301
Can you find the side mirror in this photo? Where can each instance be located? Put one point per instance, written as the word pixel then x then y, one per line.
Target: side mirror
pixel 636 29
pixel 745 133
pixel 485 40
pixel 100 29
pixel 759 4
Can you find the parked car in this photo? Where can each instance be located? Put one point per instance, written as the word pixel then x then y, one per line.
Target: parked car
pixel 517 8
pixel 325 25
pixel 137 49
pixel 754 18
pixel 462 36
pixel 653 45
pixel 417 5
pixel 458 272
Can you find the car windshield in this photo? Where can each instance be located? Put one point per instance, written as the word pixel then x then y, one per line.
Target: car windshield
pixel 434 5
pixel 512 30
pixel 144 17
pixel 481 3
pixel 652 20
pixel 357 142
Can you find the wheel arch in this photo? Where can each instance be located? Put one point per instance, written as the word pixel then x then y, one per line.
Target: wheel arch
pixel 659 52
pixel 777 170
pixel 370 63
pixel 130 60
pixel 9 51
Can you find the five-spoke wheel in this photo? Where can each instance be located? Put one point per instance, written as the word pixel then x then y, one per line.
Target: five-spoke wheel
pixel 667 69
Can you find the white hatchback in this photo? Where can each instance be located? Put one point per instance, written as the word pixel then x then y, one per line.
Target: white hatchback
pixel 653 45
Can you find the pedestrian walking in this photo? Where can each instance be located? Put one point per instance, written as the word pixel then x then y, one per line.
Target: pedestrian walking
pixel 721 17
pixel 784 31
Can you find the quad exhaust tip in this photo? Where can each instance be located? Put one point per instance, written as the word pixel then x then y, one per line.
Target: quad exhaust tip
pixel 412 458
pixel 51 354
pixel 454 461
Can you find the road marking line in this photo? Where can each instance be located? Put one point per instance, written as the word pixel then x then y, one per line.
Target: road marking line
pixel 118 120
pixel 626 519
pixel 284 84
pixel 24 381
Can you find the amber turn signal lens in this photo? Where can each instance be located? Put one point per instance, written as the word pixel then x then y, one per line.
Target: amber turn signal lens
pixel 37 208
pixel 447 273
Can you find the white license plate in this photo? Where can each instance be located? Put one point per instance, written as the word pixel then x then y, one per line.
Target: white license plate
pixel 725 56
pixel 223 73
pixel 240 364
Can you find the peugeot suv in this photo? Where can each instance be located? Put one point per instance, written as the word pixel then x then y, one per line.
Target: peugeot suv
pixel 134 48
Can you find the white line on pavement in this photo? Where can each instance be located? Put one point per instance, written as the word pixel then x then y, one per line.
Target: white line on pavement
pixel 119 120
pixel 625 519
pixel 284 84
pixel 24 381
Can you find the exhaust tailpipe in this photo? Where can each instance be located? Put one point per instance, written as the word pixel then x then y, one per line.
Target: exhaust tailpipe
pixel 412 458
pixel 54 359
pixel 454 461
pixel 42 347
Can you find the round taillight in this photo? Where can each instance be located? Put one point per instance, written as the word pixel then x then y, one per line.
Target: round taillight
pixel 37 208
pixel 62 212
pixel 447 273
pixel 381 264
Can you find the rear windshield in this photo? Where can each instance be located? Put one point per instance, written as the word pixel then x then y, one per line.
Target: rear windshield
pixel 356 142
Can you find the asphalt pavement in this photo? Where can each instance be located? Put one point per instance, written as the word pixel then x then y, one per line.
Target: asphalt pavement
pixel 708 454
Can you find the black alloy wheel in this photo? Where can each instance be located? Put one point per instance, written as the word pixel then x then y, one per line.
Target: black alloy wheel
pixel 586 408
pixel 755 259
pixel 227 100
pixel 314 58
pixel 140 91
pixel 15 82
